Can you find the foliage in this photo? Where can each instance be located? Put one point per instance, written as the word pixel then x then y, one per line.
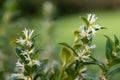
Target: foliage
pixel 75 59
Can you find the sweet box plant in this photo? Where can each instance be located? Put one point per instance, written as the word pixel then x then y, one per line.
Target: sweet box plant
pixel 75 59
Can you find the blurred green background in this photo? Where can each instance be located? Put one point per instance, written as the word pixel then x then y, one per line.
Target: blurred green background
pixel 54 21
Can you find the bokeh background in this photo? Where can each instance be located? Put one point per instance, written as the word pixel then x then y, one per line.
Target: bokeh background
pixel 53 21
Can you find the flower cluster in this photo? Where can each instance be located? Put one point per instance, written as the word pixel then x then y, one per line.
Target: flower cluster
pixel 85 35
pixel 25 52
pixel 27 38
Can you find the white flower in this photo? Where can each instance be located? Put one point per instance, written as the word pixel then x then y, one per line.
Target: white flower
pixel 82 56
pixel 27 52
pixel 21 41
pixel 29 43
pixel 26 40
pixel 93 29
pixel 97 27
pixel 83 33
pixel 28 33
pixel 81 72
pixel 91 18
pixel 20 65
pixel 34 62
pixel 27 58
pixel 87 48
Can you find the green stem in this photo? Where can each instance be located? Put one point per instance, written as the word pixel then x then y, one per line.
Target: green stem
pixel 62 72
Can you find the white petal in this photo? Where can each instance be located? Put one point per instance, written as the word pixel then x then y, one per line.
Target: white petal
pixel 93 46
pixel 25 32
pixel 30 33
pixel 93 31
pixel 97 27
pixel 36 62
pixel 19 64
pixel 29 43
pixel 91 18
pixel 21 41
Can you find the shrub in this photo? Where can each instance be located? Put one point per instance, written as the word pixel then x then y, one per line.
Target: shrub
pixel 75 58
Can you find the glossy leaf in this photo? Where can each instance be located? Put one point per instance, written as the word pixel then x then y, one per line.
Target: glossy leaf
pixel 116 40
pixel 109 47
pixel 27 71
pixel 85 20
pixel 115 61
pixel 65 55
pixel 37 50
pixel 22 58
pixel 39 69
pixel 76 35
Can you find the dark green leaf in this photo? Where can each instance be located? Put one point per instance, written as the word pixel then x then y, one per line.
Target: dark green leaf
pixel 27 71
pixel 86 41
pixel 37 50
pixel 115 61
pixel 39 69
pixel 85 20
pixel 103 28
pixel 116 40
pixel 70 72
pixel 22 58
pixel 109 47
pixel 101 65
pixel 113 71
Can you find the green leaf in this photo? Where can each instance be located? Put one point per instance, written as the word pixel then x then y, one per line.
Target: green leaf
pixel 39 69
pixel 22 58
pixel 85 40
pixel 116 40
pixel 70 72
pixel 115 61
pixel 85 20
pixel 37 50
pixel 27 71
pixel 113 71
pixel 65 55
pixel 66 45
pixel 109 47
pixel 100 64
pixel 103 28
pixel 77 46
pixel 76 35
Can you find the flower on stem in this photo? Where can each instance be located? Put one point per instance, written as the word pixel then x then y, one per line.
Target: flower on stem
pixel 27 52
pixel 82 74
pixel 92 27
pixel 82 56
pixel 84 33
pixel 34 62
pixel 87 47
pixel 27 39
pixel 91 18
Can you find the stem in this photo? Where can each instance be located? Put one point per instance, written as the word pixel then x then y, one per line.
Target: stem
pixel 62 72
